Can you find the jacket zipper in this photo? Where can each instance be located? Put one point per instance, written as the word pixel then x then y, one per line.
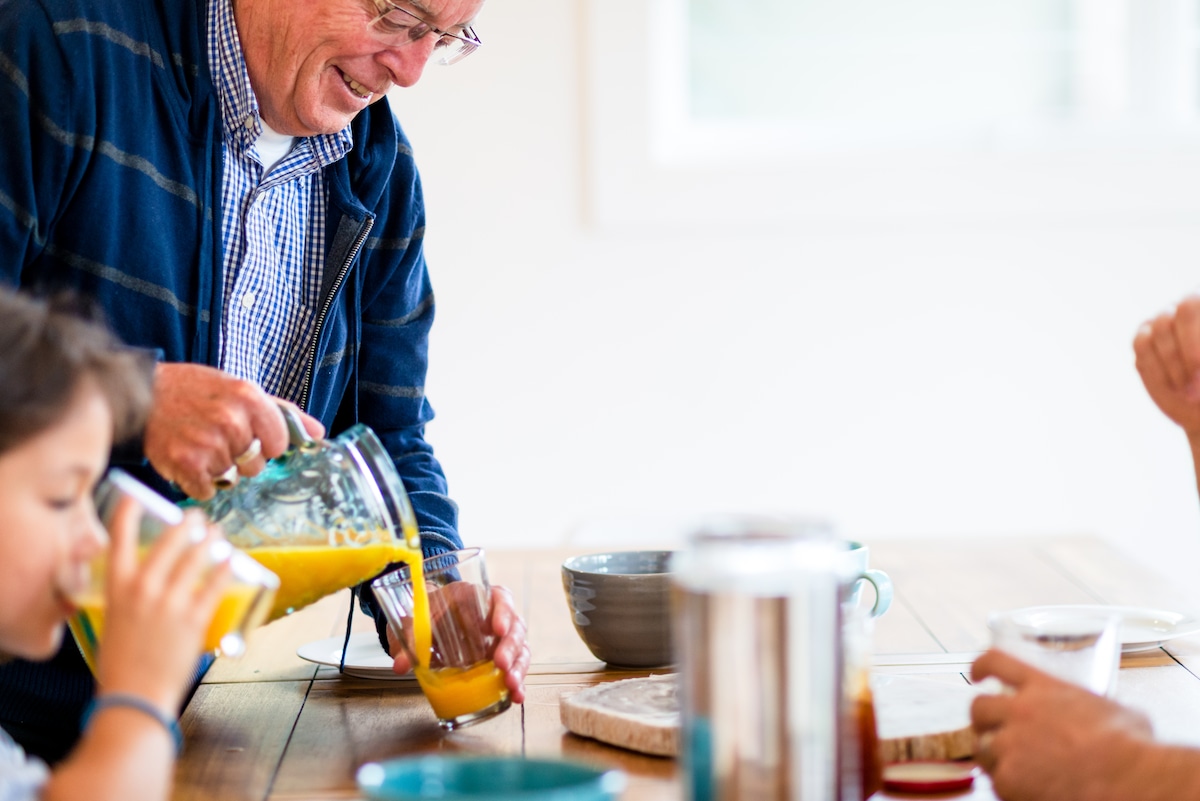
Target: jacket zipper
pixel 316 336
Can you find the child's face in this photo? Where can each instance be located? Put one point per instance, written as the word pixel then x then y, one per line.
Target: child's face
pixel 48 526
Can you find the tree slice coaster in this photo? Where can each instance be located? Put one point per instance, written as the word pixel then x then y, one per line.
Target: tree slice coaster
pixel 917 718
pixel 638 714
pixel 923 719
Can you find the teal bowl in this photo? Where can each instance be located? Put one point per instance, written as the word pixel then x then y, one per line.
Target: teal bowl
pixel 494 778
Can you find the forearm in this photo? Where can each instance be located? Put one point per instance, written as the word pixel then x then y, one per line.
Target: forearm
pixel 1146 771
pixel 1194 444
pixel 123 756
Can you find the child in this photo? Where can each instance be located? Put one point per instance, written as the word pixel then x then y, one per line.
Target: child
pixel 66 389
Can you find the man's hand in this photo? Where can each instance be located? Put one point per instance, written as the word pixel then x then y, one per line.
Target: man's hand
pixel 1052 740
pixel 1168 360
pixel 512 652
pixel 204 421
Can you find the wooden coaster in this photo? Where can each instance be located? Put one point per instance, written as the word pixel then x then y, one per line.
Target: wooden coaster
pixel 923 719
pixel 917 718
pixel 638 714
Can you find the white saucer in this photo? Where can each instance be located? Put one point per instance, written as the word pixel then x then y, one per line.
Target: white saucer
pixel 364 658
pixel 1141 629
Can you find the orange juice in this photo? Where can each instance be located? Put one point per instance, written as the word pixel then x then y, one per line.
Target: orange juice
pixel 453 692
pixel 308 573
pixel 235 605
pixel 85 638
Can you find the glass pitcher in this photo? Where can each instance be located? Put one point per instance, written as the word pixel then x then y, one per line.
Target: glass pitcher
pixel 326 515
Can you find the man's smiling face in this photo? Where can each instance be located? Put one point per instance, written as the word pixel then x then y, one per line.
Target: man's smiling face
pixel 315 64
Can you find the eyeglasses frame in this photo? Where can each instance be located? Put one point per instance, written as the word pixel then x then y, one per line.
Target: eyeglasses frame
pixel 468 37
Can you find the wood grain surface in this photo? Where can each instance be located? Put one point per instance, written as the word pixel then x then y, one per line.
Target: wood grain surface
pixel 272 726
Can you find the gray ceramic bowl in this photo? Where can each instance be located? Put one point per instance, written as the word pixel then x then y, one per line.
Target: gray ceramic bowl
pixel 620 604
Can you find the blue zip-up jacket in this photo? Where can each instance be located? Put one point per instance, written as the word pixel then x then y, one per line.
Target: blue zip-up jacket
pixel 110 185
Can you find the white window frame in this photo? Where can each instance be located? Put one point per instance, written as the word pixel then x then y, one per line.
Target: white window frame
pixel 648 165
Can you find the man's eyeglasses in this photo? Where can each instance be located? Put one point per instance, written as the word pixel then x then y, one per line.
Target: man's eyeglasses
pixel 396 27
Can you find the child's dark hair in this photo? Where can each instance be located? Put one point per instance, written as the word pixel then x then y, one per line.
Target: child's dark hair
pixel 48 347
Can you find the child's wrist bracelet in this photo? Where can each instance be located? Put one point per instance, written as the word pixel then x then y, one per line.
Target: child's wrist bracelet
pixel 141 705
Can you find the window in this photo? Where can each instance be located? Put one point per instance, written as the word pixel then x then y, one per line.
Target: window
pixel 1017 104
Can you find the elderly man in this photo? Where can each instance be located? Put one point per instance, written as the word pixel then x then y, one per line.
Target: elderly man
pixel 225 178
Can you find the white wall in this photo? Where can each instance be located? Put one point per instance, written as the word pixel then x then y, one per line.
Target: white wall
pixel 916 378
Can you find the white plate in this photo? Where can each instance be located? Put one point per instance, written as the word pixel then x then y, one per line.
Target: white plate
pixel 1141 628
pixel 364 658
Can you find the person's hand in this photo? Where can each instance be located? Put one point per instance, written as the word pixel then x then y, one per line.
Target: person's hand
pixel 1168 360
pixel 204 421
pixel 512 652
pixel 1048 739
pixel 157 609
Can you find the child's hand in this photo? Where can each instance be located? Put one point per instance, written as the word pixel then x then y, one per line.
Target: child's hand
pixel 158 609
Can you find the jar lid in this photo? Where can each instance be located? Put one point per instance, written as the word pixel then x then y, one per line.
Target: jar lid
pixel 929 776
pixel 758 555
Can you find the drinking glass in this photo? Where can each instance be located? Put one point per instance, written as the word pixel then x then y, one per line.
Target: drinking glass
pixel 1079 646
pixel 243 605
pixel 455 670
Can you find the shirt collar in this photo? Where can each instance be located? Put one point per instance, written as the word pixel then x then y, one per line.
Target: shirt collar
pixel 239 107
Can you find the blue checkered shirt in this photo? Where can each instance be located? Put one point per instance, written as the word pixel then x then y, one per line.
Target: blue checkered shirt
pixel 273 228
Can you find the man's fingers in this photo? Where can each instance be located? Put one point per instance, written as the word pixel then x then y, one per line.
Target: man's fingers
pixel 514 677
pixel 250 460
pixel 205 422
pixel 504 611
pixel 989 711
pixel 1187 334
pixel 314 427
pixel 1167 346
pixel 510 648
pixel 268 425
pixel 1149 365
pixel 311 424
pixel 401 663
pixel 197 488
pixel 1008 669
pixel 512 652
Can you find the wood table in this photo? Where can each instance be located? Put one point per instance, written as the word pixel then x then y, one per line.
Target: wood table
pixel 273 726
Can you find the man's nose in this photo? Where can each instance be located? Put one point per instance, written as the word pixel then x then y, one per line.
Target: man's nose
pixel 407 62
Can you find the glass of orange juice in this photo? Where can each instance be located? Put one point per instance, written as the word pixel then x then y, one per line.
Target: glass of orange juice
pixel 243 606
pixel 455 668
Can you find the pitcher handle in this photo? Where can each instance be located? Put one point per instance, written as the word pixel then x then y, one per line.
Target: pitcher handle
pixel 297 433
